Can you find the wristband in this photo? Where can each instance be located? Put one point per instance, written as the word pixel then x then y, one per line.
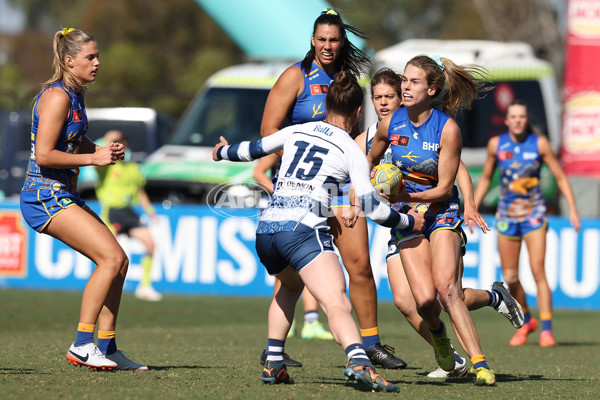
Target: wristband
pixel 411 221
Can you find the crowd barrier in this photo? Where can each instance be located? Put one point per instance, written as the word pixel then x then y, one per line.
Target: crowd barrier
pixel 201 252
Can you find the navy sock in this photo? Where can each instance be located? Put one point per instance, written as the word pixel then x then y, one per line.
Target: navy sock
pixel 356 353
pixel 275 349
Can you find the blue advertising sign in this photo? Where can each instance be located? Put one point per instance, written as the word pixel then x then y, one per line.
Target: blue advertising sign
pixel 202 252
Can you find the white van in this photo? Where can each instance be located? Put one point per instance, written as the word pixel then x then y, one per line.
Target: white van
pixel 516 73
pixel 231 105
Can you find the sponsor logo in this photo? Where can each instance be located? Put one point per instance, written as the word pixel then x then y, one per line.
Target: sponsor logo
pixel 13 245
pixel 504 155
pixel 528 155
pixel 582 113
pixel 400 140
pixel 583 16
pixel 65 201
pixel 431 146
pixel 236 196
pixel 319 89
pixel 76 115
pixel 416 135
pixel 81 358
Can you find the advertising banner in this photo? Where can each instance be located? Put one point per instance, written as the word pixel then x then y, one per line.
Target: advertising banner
pixel 581 114
pixel 200 252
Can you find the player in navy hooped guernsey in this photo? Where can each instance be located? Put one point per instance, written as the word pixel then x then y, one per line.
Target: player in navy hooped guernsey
pixel 292 235
pixel 298 95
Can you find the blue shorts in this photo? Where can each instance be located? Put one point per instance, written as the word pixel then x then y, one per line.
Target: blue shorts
pixel 296 248
pixel 393 249
pixel 516 230
pixel 450 219
pixel 40 206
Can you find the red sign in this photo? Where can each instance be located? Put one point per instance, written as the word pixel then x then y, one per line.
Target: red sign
pixel 581 112
pixel 13 261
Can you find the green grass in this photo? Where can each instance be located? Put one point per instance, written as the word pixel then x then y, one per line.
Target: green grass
pixel 209 347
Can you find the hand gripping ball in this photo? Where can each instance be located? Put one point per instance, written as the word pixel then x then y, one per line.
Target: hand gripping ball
pixel 387 179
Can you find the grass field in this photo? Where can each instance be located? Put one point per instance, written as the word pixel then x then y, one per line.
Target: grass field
pixel 209 348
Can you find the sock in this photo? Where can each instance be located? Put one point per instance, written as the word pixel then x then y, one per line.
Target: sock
pixel 546 321
pixel 370 337
pixel 275 350
pixel 146 270
pixel 526 315
pixel 311 316
pixel 107 343
pixel 478 361
pixel 439 330
pixel 356 354
pixel 495 298
pixel 85 334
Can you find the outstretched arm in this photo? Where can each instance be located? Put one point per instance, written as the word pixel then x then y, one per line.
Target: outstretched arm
pixel 251 150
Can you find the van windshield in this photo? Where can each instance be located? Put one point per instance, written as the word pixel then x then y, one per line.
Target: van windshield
pixel 486 117
pixel 234 113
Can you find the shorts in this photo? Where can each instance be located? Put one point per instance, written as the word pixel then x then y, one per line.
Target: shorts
pixel 123 220
pixel 40 206
pixel 296 248
pixel 516 230
pixel 449 219
pixel 393 249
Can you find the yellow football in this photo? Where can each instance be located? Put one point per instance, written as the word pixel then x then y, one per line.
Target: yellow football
pixel 387 179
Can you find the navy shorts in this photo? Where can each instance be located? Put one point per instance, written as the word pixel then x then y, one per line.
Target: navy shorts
pixel 516 230
pixel 393 250
pixel 123 219
pixel 296 248
pixel 40 206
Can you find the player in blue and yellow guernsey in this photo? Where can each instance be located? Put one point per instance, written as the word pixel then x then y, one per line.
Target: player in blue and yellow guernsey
pixel 51 205
pixel 521 214
pixel 386 86
pixel 425 143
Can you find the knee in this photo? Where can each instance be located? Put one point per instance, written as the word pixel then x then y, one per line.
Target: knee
pixel 448 295
pixel 358 267
pixel 425 305
pixel 150 247
pixel 405 304
pixel 338 304
pixel 116 263
pixel 511 278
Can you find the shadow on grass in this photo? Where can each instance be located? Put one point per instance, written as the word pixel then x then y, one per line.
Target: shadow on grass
pixel 500 378
pixel 577 344
pixel 17 371
pixel 168 367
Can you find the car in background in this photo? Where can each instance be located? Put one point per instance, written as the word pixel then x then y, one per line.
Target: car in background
pixel 231 105
pixel 15 149
pixel 146 128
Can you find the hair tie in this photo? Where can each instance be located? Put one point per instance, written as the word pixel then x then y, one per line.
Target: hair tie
pixel 438 61
pixel 66 31
pixel 329 11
